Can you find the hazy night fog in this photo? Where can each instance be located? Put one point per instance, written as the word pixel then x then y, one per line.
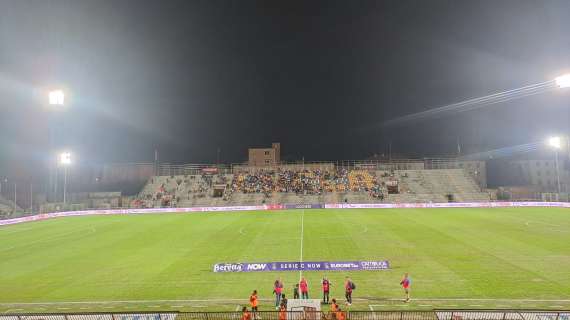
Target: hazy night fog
pixel 189 77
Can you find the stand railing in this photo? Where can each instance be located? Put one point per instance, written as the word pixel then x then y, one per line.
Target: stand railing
pixel 306 315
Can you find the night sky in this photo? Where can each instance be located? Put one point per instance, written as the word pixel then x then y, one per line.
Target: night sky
pixel 320 77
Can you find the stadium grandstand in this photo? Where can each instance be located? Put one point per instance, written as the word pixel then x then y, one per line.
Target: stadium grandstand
pixel 310 183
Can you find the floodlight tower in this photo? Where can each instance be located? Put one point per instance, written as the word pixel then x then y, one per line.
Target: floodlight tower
pixel 556 144
pixel 65 161
pixel 56 103
pixel 563 81
pixel 56 98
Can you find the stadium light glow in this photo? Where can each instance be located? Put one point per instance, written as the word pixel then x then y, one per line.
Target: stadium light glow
pixel 56 97
pixel 65 158
pixel 563 81
pixel 555 142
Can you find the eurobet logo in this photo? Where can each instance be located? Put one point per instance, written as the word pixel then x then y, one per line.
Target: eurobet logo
pixel 256 266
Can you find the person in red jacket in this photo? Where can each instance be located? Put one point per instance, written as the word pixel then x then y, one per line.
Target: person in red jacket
pixel 348 287
pixel 304 286
pixel 326 284
pixel 277 290
pixel 405 283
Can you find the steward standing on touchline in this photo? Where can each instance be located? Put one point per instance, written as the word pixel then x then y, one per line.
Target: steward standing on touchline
pixel 348 287
pixel 326 289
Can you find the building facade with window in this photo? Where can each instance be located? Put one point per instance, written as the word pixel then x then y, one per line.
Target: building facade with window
pixel 265 156
pixel 542 173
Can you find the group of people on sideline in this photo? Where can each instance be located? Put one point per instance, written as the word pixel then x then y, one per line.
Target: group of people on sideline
pixel 301 291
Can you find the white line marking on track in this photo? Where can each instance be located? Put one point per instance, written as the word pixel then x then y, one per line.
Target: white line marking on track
pixel 556 306
pixel 237 307
pixel 154 306
pixel 424 305
pixel 220 300
pixel 370 307
pixel 450 305
pixel 177 306
pixel 475 305
pixel 11 310
pixel 485 299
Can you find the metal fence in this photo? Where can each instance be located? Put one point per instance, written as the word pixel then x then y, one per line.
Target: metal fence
pixel 168 169
pixel 306 315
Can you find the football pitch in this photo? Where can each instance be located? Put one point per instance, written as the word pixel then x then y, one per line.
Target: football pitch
pixel 457 258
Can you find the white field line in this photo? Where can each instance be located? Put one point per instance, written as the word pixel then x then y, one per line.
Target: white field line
pixel 241 300
pixel 371 308
pixel 12 310
pixel 9 231
pixel 56 237
pixel 302 232
pixel 544 223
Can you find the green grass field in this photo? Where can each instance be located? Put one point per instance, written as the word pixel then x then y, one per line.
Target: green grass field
pixel 460 258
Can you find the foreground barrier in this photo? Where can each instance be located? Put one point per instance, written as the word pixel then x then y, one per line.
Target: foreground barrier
pixel 287 206
pixel 308 315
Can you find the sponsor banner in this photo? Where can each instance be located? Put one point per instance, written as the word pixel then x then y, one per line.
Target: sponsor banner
pixel 94 316
pixel 445 205
pixel 213 170
pixel 279 206
pixel 498 315
pixel 138 211
pixel 304 206
pixel 303 266
pixel 145 316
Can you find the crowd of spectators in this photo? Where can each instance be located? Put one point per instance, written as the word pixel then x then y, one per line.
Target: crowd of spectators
pixel 261 182
pixel 168 192
pixel 306 182
pixel 173 189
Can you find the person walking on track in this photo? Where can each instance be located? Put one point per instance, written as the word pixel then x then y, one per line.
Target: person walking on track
pixel 304 288
pixel 349 286
pixel 406 283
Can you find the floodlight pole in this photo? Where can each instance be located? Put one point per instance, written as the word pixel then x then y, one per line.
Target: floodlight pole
pixel 557 172
pixel 15 196
pixel 65 183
